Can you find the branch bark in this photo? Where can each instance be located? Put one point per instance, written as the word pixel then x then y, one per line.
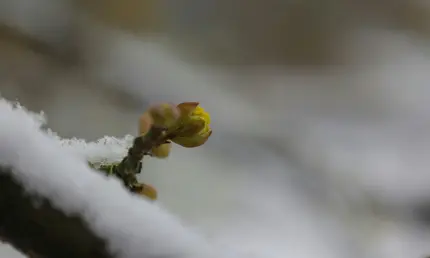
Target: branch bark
pixel 34 226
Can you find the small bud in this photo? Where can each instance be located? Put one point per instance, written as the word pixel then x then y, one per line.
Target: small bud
pixel 195 126
pixel 145 123
pixel 187 124
pixel 191 128
pixel 149 191
pixel 162 151
pixel 194 141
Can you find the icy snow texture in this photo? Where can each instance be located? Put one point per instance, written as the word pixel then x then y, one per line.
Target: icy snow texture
pixel 133 226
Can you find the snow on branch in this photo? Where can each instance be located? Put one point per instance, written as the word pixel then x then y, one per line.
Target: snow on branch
pixel 52 175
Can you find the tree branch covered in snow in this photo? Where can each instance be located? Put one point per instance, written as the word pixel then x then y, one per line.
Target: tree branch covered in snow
pixel 34 226
pixel 53 204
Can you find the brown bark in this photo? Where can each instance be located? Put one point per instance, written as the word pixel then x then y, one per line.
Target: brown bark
pixel 136 16
pixel 34 226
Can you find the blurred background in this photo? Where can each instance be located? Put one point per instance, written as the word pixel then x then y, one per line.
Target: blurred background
pixel 320 108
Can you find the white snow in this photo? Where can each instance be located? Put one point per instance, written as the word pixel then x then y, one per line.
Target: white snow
pixel 133 226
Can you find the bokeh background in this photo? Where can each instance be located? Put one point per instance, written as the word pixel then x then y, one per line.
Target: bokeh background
pixel 320 108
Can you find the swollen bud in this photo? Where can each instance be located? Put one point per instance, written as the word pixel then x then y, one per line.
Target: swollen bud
pixel 148 191
pixel 162 151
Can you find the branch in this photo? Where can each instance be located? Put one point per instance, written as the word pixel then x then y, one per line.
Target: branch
pixel 65 56
pixel 33 226
pixel 131 165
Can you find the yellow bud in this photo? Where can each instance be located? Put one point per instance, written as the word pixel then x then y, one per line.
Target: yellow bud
pixel 194 125
pixel 149 191
pixel 190 127
pixel 162 151
pixel 201 114
pixel 194 141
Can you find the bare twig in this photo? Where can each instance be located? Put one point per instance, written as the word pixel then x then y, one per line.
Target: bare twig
pixel 131 165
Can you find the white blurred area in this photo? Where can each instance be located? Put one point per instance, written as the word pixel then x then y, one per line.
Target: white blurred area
pixel 327 160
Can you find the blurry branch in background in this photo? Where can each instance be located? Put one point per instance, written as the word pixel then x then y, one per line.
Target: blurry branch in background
pixel 37 31
pixel 294 33
pixel 136 16
pixel 291 32
pixel 10 36
pixel 255 32
pixel 410 16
